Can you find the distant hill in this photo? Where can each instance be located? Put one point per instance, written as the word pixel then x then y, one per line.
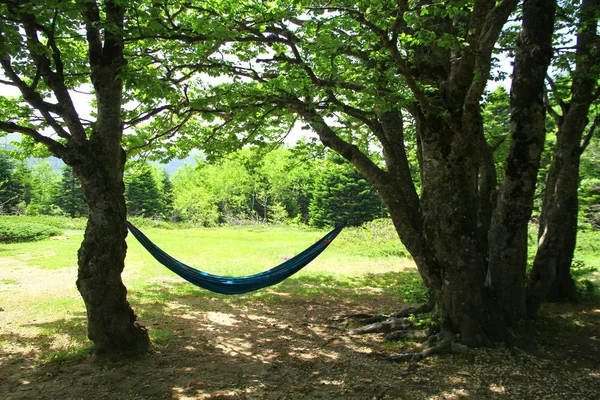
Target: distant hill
pixel 57 164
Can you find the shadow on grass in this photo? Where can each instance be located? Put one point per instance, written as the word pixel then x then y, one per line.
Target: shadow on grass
pixel 399 285
pixel 57 341
pixel 279 343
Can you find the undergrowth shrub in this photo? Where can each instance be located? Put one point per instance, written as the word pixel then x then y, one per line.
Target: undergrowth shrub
pixel 26 232
pixel 377 238
pixel 59 222
pixel 580 272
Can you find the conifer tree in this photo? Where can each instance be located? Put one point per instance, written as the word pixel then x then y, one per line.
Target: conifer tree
pixel 142 194
pixel 343 196
pixel 69 195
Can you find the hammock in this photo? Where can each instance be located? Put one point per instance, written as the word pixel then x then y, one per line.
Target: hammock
pixel 235 285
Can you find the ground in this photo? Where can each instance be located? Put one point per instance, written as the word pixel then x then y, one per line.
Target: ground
pixel 283 346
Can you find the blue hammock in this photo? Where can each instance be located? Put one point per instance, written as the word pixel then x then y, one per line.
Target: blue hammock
pixel 235 285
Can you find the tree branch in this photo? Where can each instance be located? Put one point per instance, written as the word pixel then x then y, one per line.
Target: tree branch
pixel 556 116
pixel 350 152
pixel 55 147
pixel 588 137
pixel 564 107
pixel 54 80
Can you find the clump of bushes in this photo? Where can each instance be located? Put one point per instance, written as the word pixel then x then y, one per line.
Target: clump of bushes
pixel 377 238
pixel 50 220
pixel 26 232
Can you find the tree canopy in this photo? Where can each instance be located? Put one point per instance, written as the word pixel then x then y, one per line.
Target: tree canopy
pixel 394 87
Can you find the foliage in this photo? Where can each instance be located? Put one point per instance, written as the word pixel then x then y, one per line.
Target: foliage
pixel 496 117
pixel 376 238
pixel 415 292
pixel 59 222
pixel 144 197
pixel 342 196
pixel 430 320
pixel 9 186
pixel 197 192
pixel 580 273
pixel 25 232
pixel 68 194
pixel 43 182
pixel 589 189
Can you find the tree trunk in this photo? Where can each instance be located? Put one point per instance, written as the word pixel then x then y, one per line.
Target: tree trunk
pixel 506 278
pixel 449 202
pixel 550 277
pixel 111 321
pixel 551 274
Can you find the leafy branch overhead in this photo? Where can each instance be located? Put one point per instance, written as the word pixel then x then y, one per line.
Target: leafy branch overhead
pixel 397 88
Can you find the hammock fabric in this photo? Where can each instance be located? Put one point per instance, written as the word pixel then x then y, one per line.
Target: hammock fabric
pixel 235 285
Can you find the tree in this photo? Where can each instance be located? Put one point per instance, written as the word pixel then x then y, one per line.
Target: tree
pixel 107 49
pixel 46 51
pixel 69 196
pixel 358 73
pixel 342 196
pixel 191 200
pixel 43 182
pixel 143 195
pixel 590 185
pixel 550 277
pixel 9 185
pixel 282 181
pixel 165 188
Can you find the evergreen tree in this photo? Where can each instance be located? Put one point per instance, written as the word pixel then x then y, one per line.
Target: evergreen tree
pixel 342 195
pixel 9 186
pixel 142 194
pixel 69 196
pixel 166 191
pixel 24 177
pixel 43 179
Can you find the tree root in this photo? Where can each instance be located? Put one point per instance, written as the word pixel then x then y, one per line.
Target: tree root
pixel 399 321
pixel 374 318
pixel 444 342
pixel 389 325
pixel 398 326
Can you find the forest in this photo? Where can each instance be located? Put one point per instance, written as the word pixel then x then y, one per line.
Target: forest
pixel 469 126
pixel 279 186
pixel 274 184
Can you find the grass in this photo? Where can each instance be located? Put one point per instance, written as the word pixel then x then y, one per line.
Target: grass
pixel 45 315
pixel 51 317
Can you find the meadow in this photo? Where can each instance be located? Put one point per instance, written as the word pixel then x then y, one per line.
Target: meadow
pixel 214 346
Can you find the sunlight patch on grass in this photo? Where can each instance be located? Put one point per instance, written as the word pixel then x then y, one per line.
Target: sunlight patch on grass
pixel 160 298
pixel 221 318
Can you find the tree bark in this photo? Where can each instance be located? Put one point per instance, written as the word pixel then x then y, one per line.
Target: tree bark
pixel 508 233
pixel 449 202
pixel 112 323
pixel 551 277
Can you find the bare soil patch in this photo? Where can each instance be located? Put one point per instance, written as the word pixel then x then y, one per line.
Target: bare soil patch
pixel 282 347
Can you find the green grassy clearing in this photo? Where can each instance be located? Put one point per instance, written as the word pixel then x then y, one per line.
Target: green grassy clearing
pixel 45 314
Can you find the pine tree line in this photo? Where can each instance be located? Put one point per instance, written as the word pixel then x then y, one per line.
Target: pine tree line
pixel 249 185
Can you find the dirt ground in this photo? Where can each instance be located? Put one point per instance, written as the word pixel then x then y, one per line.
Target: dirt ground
pixel 282 348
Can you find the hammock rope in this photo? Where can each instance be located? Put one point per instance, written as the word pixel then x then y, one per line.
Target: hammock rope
pixel 241 284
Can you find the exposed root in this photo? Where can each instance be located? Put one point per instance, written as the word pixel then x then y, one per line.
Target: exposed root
pixel 399 326
pixel 389 325
pixel 366 318
pixel 407 334
pixel 407 311
pixel 443 343
pixel 397 322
